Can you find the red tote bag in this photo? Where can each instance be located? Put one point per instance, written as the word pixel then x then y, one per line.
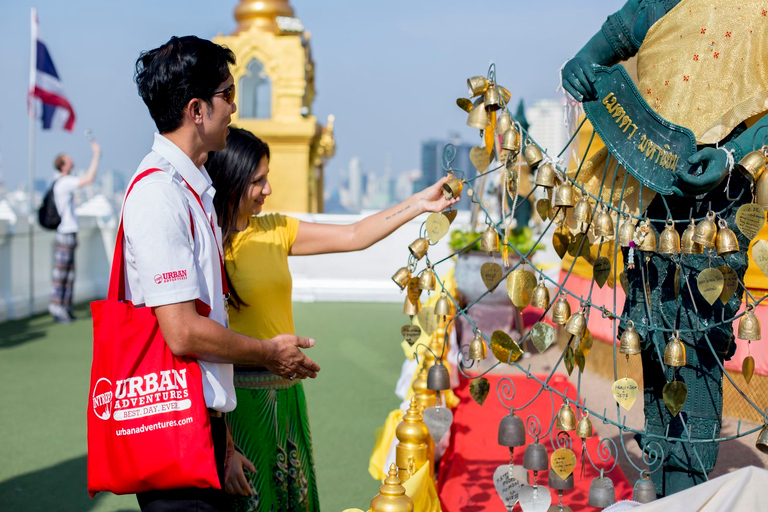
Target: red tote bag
pixel 148 424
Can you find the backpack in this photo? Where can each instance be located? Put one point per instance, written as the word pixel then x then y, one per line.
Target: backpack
pixel 48 214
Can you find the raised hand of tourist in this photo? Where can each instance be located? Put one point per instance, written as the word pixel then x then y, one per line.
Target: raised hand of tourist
pixel 236 482
pixel 432 198
pixel 287 360
pixel 579 79
pixel 712 171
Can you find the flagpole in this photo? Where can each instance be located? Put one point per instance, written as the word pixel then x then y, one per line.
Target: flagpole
pixel 31 185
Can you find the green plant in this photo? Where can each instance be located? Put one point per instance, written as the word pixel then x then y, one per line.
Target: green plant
pixel 520 238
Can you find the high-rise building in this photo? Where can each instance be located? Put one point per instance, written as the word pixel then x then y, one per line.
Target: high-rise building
pixel 547 120
pixel 432 156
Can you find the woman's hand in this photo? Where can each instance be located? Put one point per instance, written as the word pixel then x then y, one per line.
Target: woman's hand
pixel 432 198
pixel 236 481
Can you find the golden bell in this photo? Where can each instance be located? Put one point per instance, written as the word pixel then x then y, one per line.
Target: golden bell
pixel 706 232
pixel 561 311
pixel 392 496
pixel 489 242
pixel 630 340
pixel 452 188
pixel 687 245
pixel 752 165
pixel 510 140
pixel 669 241
pixel 584 427
pixel 545 176
pixel 503 123
pixel 477 348
pixel 491 99
pixel 649 240
pixel 576 324
pixel 427 280
pixel 411 308
pixel 566 419
pixel 726 241
pixel 564 196
pixel 674 354
pixel 532 155
pixel 762 440
pixel 402 277
pixel 478 118
pixel 749 326
pixel 626 232
pixel 505 94
pixel 477 85
pixel 582 213
pixel 540 297
pixel 442 306
pixel 603 225
pixel 419 247
pixel 761 191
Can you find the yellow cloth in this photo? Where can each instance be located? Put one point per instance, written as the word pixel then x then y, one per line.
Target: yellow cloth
pixel 258 263
pixel 384 436
pixel 703 65
pixel 421 489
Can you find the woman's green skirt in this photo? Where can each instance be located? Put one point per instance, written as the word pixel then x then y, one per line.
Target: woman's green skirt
pixel 271 427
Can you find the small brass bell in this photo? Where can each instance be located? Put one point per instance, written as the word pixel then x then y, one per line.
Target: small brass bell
pixel 545 175
pixel 584 427
pixel 561 311
pixel 762 440
pixel 452 188
pixel 511 431
pixel 477 85
pixel 536 458
pixel 603 225
pixel 761 191
pixel 503 123
pixel 392 496
pixel 558 484
pixel 644 490
pixel 510 140
pixel 566 419
pixel 442 306
pixel 749 326
pixel 649 240
pixel 706 232
pixel 726 241
pixel 402 277
pixel 626 232
pixel 540 297
pixel 669 240
pixel 410 307
pixel 532 155
pixel 582 214
pixel 438 378
pixel 687 245
pixel 564 196
pixel 419 247
pixel 752 165
pixel 489 242
pixel 491 99
pixel 477 348
pixel 427 280
pixel 478 118
pixel 630 340
pixel 576 324
pixel 601 492
pixel 674 354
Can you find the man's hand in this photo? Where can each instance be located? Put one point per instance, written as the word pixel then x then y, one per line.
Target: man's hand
pixel 287 360
pixel 714 168
pixel 236 482
pixel 95 148
pixel 579 79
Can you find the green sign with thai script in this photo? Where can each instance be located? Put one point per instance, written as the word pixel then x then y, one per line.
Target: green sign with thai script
pixel 648 146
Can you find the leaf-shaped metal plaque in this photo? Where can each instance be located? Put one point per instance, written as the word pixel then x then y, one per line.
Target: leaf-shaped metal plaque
pixel 437 226
pixel 438 420
pixel 428 319
pixel 624 281
pixel 730 283
pixel 561 240
pixel 750 219
pixel 748 368
pixel 676 283
pixel 625 392
pixel 577 247
pixel 542 336
pixel 569 360
pixel 479 158
pixel 760 255
pixel 505 348
pixel 491 274
pixel 450 215
pixel 601 270
pixel 465 105
pixel 585 342
pixel 508 482
pixel 563 462
pixel 674 394
pixel 520 285
pixel 710 283
pixel 479 389
pixel 535 498
pixel 542 208
pixel 411 333
pixel 578 356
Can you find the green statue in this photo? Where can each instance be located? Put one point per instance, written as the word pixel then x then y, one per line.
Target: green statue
pixel 700 64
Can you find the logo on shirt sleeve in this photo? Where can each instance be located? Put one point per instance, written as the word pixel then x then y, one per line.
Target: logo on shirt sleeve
pixel 169 277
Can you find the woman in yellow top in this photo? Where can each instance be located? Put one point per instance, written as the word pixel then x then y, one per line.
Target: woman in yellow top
pixel 270 424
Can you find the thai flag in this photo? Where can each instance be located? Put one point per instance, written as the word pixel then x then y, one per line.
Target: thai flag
pixel 53 108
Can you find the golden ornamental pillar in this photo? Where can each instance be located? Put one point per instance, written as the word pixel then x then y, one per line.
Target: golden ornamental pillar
pixel 392 497
pixel 412 449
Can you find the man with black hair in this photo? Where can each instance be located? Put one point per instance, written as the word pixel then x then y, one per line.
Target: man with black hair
pixel 173 249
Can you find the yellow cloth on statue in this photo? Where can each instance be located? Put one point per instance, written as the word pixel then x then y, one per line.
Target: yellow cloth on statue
pixel 258 263
pixel 384 436
pixel 421 489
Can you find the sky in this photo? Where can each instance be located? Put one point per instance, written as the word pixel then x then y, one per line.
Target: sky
pixel 390 71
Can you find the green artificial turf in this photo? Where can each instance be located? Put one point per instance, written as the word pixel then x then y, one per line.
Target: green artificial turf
pixel 44 373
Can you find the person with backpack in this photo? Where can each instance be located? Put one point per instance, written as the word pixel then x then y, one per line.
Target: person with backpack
pixel 63 192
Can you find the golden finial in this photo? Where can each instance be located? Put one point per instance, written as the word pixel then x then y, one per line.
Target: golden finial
pixel 423 395
pixel 262 14
pixel 412 449
pixel 392 497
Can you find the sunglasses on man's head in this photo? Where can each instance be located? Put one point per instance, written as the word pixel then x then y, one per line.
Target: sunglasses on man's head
pixel 228 94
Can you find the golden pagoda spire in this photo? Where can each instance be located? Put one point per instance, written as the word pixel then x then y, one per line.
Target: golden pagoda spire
pixel 261 13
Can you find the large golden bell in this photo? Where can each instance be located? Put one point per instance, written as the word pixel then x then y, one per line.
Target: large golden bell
pixel 674 354
pixel 669 241
pixel 726 241
pixel 510 140
pixel 478 118
pixel 687 245
pixel 540 297
pixel 582 213
pixel 649 240
pixel 626 232
pixel 411 307
pixel 761 191
pixel 503 123
pixel 419 247
pixel 584 427
pixel 477 348
pixel 630 340
pixel 489 242
pixel 491 99
pixel 749 326
pixel 603 225
pixel 564 196
pixel 427 280
pixel 566 419
pixel 477 85
pixel 576 324
pixel 532 155
pixel 545 175
pixel 762 440
pixel 752 165
pixel 706 232
pixel 561 311
pixel 392 497
pixel 442 306
pixel 402 277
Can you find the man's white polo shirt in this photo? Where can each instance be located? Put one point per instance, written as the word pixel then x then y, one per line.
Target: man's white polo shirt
pixel 164 263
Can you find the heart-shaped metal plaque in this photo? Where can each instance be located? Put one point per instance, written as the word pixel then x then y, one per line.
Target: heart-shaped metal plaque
pixel 450 215
pixel 674 394
pixel 479 389
pixel 411 333
pixel 479 158
pixel 520 285
pixel 491 274
pixel 561 240
pixel 569 359
pixel 509 483
pixel 730 283
pixel 625 392
pixel 437 226
pixel 542 336
pixel 585 342
pixel 428 319
pixel 542 208
pixel 534 499
pixel 601 270
pixel 624 281
pixel 760 255
pixel 563 462
pixel 505 348
pixel 438 420
pixel 580 359
pixel 748 368
pixel 750 219
pixel 465 104
pixel 710 283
